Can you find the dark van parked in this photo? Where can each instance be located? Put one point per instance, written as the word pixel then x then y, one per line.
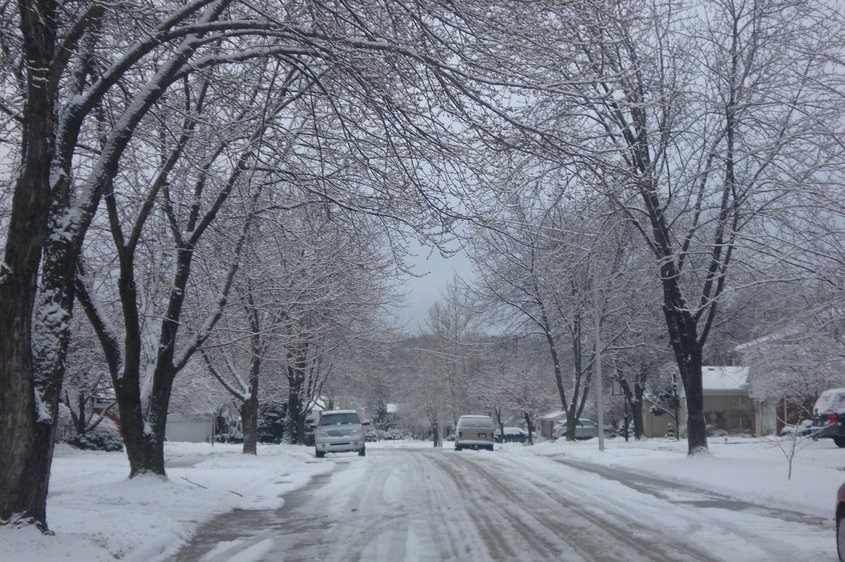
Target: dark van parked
pixel 829 416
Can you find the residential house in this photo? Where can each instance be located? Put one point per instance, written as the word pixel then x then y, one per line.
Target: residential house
pixel 728 405
pixel 547 423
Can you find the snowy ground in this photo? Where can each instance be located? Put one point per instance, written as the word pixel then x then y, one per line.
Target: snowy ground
pixel 97 514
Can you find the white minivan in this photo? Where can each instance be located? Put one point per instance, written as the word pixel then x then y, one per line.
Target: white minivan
pixel 339 431
pixel 475 432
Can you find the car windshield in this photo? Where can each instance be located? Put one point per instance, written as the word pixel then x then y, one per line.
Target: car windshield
pixel 338 419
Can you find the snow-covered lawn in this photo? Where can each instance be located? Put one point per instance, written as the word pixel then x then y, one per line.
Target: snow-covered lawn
pixel 98 514
pixel 753 470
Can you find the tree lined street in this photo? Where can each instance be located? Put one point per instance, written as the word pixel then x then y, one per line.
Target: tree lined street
pixel 212 219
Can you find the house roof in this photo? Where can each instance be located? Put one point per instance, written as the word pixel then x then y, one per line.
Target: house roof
pixel 724 378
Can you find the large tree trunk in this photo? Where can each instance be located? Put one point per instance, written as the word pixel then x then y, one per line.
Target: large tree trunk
pixel 146 446
pixel 24 426
pixel 301 424
pixel 558 372
pixel 294 412
pixel 145 453
pixel 249 425
pixel 144 420
pixel 634 398
pixel 694 391
pixel 688 355
pixel 249 409
pixel 143 432
pixel 530 427
pixel 681 324
pixel 249 420
pixel 51 335
pixel 295 415
pixel 637 410
pixel 80 420
pixel 571 422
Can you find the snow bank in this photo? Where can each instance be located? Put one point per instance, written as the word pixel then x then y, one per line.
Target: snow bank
pixel 97 513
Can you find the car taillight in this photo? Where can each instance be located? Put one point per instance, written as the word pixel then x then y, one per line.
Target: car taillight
pixel 831 418
pixel 460 434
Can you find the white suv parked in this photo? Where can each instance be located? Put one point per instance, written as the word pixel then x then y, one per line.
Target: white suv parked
pixel 339 431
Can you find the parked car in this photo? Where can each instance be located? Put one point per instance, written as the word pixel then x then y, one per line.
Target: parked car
pixel 392 435
pixel 512 435
pixel 829 416
pixel 840 523
pixel 584 429
pixel 474 432
pixel 339 431
pixel 803 429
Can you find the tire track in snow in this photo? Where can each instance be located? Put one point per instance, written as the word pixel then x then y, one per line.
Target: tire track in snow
pixel 498 517
pixel 552 526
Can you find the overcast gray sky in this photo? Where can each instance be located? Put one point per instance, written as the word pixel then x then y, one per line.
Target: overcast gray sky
pixel 424 291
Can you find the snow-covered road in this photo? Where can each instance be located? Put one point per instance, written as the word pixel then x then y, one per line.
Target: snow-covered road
pixel 439 504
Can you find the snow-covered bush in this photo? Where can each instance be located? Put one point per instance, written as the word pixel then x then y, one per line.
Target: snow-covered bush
pixel 105 437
